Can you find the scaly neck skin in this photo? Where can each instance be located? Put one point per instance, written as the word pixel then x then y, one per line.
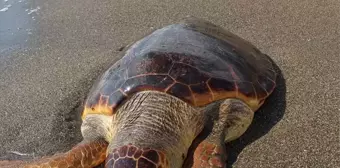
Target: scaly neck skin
pixel 158 121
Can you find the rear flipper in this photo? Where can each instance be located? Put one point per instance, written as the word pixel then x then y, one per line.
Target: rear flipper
pixel 231 122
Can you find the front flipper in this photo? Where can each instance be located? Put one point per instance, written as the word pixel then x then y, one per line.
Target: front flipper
pixel 87 154
pixel 209 154
pixel 232 120
pixel 83 155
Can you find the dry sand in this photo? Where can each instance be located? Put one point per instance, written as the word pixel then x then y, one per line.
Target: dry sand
pixel 48 63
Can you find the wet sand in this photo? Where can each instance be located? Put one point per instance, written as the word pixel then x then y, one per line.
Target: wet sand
pixel 50 57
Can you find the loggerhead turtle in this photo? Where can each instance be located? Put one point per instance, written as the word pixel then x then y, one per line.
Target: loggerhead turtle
pixel 146 110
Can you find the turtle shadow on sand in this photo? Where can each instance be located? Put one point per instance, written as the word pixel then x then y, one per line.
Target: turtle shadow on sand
pixel 67 125
pixel 265 118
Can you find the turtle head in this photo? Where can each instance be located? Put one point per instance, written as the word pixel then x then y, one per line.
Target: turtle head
pixel 132 157
pixel 152 129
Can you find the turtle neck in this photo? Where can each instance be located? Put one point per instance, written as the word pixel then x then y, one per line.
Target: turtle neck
pixel 157 121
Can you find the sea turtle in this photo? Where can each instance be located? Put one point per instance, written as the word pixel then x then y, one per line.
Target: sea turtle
pixel 147 109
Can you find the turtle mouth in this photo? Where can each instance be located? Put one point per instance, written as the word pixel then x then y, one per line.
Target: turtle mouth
pixel 129 156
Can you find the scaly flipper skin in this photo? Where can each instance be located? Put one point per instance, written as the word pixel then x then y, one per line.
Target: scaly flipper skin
pixel 209 155
pixel 131 156
pixel 83 155
pixel 232 120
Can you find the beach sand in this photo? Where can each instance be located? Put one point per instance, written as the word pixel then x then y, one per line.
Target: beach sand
pixel 52 51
